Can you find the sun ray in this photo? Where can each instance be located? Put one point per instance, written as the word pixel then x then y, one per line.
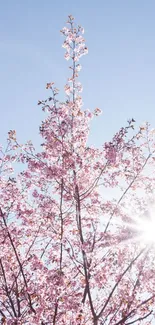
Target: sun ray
pixel 141 227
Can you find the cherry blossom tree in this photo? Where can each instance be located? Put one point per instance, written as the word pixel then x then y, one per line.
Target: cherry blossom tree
pixel 77 245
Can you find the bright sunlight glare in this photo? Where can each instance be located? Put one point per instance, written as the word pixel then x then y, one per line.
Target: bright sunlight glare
pixel 145 227
pixel 141 227
pixel 147 230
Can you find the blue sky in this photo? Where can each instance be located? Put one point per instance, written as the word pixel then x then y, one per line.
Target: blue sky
pixel 118 74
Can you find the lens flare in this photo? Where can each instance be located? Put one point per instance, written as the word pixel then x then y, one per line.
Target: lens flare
pixel 143 227
pixel 147 230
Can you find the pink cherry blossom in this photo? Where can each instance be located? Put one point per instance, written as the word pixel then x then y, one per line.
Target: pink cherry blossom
pixel 72 247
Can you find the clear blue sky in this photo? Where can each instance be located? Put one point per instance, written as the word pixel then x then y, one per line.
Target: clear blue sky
pixel 118 74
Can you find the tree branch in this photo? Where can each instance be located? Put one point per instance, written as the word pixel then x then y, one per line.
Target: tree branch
pixel 117 283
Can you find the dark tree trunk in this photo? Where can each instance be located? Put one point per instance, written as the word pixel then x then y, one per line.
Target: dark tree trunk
pixel 95 321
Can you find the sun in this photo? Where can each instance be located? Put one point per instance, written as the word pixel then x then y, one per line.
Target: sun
pixel 140 227
pixel 147 230
pixel 145 227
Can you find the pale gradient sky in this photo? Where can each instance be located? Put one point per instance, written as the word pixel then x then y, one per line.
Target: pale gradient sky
pixel 118 74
